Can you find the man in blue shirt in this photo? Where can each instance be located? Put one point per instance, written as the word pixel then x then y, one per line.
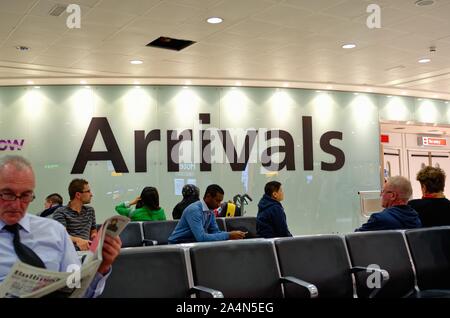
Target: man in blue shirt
pixel 198 223
pixel 45 238
pixel 397 215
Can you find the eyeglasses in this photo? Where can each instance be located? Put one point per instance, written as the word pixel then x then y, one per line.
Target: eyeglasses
pixel 25 198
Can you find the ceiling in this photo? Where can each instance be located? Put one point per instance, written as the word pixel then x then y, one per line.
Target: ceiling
pixel 295 43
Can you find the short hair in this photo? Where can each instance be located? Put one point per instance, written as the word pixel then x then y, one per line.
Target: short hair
pixel 19 162
pixel 190 190
pixel 402 187
pixel 432 178
pixel 150 198
pixel 213 189
pixel 271 187
pixel 54 198
pixel 76 185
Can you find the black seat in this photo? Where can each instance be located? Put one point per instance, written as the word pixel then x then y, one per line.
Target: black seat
pixel 320 260
pixel 430 250
pixel 143 272
pixel 242 223
pixel 158 232
pixel 238 269
pixel 221 224
pixel 131 235
pixel 386 250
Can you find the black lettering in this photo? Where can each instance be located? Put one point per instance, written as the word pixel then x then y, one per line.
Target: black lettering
pixel 238 163
pixel 205 141
pixel 173 155
pixel 308 161
pixel 287 148
pixel 326 146
pixel 141 143
pixel 99 124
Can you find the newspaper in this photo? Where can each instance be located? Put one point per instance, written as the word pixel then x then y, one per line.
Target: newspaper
pixel 26 281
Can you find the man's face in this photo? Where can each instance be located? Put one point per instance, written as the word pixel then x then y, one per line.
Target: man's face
pixel 213 202
pixel 278 195
pixel 86 195
pixel 387 196
pixel 47 204
pixel 19 183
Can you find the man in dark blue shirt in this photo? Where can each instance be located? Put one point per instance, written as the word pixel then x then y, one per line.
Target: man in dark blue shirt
pixel 397 214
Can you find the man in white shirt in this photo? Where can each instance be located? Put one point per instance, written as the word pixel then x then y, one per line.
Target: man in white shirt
pixel 46 238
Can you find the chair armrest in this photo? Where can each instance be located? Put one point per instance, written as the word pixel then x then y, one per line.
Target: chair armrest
pixel 213 292
pixel 312 289
pixel 384 276
pixel 149 242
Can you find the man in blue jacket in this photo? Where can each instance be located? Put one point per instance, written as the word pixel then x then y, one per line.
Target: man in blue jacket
pixel 198 223
pixel 271 219
pixel 397 214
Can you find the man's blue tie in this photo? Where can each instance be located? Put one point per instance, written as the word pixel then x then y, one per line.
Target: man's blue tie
pixel 24 253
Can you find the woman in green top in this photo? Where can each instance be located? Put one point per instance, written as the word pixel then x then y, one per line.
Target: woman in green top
pixel 147 207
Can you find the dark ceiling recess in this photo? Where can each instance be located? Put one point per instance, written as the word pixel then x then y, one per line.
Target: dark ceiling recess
pixel 164 42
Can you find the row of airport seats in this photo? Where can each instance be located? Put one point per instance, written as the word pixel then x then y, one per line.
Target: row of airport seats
pixel 157 232
pixel 385 264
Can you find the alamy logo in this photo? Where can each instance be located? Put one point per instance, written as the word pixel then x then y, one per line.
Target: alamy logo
pixel 74 19
pixel 374 280
pixel 374 19
pixel 11 144
pixel 73 280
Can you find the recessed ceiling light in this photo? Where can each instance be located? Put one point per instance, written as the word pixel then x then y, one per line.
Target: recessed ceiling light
pixel 30 82
pixel 425 60
pixel 349 46
pixel 422 3
pixel 83 82
pixel 136 62
pixel 214 20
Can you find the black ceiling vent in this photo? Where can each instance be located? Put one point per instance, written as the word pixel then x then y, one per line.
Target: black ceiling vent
pixel 164 42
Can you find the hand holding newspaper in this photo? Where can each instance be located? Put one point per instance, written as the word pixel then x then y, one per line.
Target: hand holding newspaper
pixel 26 281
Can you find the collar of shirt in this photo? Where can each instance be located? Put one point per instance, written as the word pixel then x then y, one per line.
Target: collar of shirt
pixel 204 206
pixel 24 223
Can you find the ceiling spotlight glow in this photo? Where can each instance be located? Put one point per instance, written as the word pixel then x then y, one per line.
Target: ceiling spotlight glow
pixel 425 60
pixel 349 46
pixel 136 62
pixel 214 20
pixel 30 82
pixel 83 82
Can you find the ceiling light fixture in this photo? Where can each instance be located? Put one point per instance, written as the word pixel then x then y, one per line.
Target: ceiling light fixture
pixel 214 20
pixel 136 62
pixel 83 82
pixel 424 60
pixel 349 46
pixel 423 3
pixel 30 82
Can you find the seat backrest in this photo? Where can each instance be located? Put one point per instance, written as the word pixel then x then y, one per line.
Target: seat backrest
pixel 430 250
pixel 221 224
pixel 239 269
pixel 131 235
pixel 242 223
pixel 159 230
pixel 148 272
pixel 386 249
pixel 321 260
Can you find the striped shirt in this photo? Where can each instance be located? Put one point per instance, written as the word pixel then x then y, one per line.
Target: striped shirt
pixel 76 224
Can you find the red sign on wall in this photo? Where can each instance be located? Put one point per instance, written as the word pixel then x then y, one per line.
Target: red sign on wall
pixel 385 138
pixel 432 141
